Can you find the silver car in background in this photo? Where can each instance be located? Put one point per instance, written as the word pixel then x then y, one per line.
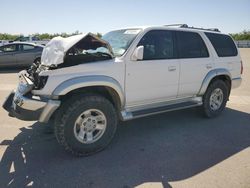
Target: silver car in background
pixel 20 54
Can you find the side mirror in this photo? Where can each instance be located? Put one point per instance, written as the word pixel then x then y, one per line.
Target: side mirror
pixel 138 53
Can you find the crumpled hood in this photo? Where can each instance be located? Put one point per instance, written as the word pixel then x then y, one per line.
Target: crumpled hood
pixel 55 50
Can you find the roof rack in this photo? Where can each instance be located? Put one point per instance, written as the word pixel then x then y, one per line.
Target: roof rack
pixel 175 25
pixel 199 28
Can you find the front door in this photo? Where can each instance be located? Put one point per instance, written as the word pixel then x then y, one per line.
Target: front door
pixel 155 78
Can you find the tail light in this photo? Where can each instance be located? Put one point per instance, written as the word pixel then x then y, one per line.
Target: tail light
pixel 241 69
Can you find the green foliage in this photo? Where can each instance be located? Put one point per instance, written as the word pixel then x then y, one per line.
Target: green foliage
pixel 245 35
pixel 42 36
pixel 6 36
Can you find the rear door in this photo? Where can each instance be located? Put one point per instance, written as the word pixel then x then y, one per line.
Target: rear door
pixel 25 54
pixel 195 62
pixel 8 55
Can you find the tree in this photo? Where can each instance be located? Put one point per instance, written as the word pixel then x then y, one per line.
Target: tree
pixel 244 35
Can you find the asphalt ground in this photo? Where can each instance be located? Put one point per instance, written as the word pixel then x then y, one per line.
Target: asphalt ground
pixel 175 149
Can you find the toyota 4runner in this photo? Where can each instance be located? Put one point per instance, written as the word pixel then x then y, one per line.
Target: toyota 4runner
pixel 85 85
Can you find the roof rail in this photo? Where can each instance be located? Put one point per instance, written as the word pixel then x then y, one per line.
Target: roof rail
pixel 180 25
pixel 186 26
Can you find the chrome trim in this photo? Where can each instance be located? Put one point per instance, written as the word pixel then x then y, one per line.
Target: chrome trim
pixel 210 75
pixel 162 103
pixel 163 111
pixel 128 114
pixel 48 110
pixel 85 81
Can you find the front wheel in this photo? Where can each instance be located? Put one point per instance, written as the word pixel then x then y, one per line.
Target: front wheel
pixel 215 98
pixel 86 125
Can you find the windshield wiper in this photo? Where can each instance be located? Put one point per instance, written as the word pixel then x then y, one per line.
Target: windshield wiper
pixel 98 54
pixel 104 54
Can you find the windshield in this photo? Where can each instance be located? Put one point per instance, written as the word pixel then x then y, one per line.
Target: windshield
pixel 120 40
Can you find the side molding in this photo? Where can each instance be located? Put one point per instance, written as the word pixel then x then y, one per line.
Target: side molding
pixel 85 81
pixel 210 75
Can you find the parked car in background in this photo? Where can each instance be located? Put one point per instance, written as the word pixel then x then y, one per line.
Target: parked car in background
pixel 20 54
pixel 32 39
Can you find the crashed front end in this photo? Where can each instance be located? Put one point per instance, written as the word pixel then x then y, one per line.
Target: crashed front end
pixel 22 104
pixel 58 53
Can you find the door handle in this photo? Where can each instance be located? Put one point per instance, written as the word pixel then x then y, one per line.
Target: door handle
pixel 172 68
pixel 209 66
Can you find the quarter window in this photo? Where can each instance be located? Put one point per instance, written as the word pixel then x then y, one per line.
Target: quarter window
pixel 223 44
pixel 190 45
pixel 158 44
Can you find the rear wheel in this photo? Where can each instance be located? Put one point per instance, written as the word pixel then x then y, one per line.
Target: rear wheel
pixel 86 125
pixel 215 98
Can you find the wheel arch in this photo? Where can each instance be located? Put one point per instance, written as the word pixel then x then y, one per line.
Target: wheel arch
pixel 103 85
pixel 221 74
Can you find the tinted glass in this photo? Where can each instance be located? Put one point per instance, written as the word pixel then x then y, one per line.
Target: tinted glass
pixel 190 45
pixel 158 44
pixel 8 48
pixel 223 44
pixel 27 47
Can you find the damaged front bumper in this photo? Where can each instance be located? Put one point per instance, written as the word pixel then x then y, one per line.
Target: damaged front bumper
pixel 26 106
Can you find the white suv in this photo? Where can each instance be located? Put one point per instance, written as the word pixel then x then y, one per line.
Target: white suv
pixel 85 84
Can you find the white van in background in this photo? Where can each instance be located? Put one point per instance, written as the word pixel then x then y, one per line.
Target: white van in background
pixel 3 42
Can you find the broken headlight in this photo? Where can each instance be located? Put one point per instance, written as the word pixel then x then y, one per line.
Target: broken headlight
pixel 41 82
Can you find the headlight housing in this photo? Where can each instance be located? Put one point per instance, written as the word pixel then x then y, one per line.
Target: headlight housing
pixel 41 82
pixel 25 84
pixel 24 88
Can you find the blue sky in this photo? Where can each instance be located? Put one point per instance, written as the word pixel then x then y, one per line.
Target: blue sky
pixel 52 16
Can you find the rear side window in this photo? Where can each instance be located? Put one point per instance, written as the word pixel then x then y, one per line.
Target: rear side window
pixel 28 47
pixel 223 44
pixel 190 45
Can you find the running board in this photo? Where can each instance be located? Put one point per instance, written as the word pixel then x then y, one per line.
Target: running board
pixel 147 112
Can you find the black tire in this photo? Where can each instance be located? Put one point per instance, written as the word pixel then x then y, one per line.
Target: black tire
pixel 207 109
pixel 67 116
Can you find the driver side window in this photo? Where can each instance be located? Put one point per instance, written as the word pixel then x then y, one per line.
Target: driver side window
pixel 158 44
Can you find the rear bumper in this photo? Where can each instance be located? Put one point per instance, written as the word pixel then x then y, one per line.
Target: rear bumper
pixel 236 82
pixel 29 107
